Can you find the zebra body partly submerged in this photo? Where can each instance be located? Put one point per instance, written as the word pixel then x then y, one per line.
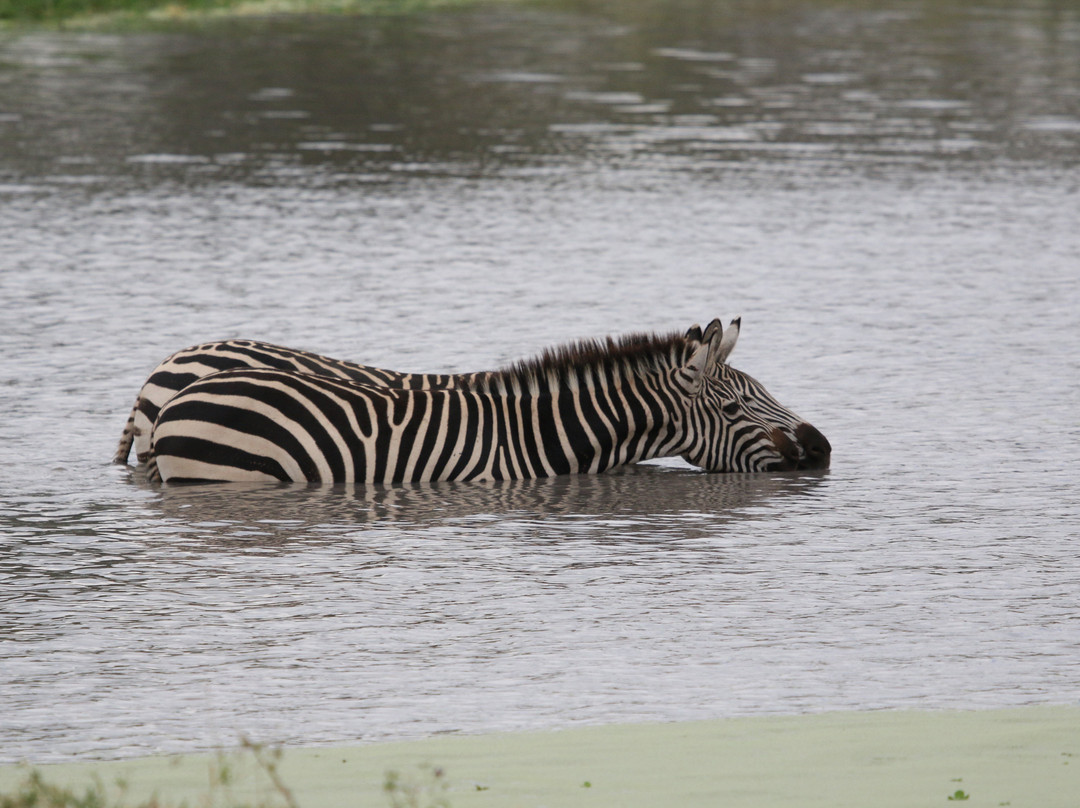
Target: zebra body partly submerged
pixel 585 408
pixel 186 366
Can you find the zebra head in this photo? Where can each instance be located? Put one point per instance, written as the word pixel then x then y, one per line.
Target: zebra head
pixel 733 423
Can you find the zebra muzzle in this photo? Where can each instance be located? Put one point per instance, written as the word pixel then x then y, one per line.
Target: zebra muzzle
pixel 809 450
pixel 816 449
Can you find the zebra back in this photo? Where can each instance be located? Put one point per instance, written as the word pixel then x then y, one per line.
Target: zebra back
pixel 190 364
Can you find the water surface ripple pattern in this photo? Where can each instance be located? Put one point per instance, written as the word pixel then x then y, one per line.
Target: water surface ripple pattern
pixel 887 196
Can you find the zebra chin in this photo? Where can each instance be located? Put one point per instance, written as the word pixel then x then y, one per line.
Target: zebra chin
pixel 810 450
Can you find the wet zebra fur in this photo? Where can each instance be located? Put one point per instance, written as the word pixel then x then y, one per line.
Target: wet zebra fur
pixel 184 367
pixel 583 408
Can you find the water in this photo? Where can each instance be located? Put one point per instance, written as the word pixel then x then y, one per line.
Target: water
pixel 888 197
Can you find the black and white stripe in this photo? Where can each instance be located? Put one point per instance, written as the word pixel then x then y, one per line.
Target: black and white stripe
pixel 186 366
pixel 584 408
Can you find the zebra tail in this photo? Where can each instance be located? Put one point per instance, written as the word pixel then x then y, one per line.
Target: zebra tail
pixel 127 438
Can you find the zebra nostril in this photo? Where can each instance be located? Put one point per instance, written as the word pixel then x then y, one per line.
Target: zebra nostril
pixel 816 448
pixel 788 450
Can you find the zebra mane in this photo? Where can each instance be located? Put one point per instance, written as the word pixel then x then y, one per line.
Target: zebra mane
pixel 561 364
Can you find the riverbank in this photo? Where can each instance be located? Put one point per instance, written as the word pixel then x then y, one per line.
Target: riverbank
pixel 1014 757
pixel 104 14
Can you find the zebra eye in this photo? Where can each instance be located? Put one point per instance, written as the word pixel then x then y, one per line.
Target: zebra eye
pixel 731 409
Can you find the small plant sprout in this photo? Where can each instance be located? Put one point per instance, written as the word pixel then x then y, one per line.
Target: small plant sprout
pixel 414 793
pixel 268 759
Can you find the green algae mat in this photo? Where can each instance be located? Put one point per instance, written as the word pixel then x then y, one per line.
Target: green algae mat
pixel 1015 757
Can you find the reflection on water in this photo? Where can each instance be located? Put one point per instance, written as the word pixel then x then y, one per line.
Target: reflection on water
pixel 516 88
pixel 176 618
pixel 283 608
pixel 641 501
pixel 885 192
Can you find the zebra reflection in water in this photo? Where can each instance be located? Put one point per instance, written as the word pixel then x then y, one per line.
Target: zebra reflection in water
pixel 582 408
pixel 652 503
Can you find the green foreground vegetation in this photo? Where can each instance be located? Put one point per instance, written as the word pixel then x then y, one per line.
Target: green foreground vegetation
pixel 1021 758
pixel 97 13
pixel 248 778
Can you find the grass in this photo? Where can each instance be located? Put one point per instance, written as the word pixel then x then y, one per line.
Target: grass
pixel 102 13
pixel 54 10
pixel 427 791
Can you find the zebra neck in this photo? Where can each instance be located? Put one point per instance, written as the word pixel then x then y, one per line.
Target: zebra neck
pixel 588 422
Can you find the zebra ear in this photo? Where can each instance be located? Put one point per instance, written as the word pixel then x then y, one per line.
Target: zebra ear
pixel 702 357
pixel 728 342
pixel 693 334
pixel 713 335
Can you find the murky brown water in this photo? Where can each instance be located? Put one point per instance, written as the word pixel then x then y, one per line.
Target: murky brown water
pixel 889 197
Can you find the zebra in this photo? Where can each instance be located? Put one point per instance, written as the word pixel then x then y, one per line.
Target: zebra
pixel 183 367
pixel 583 408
